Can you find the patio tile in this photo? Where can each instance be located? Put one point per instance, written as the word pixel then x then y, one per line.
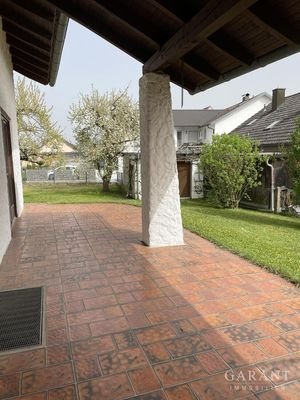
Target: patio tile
pixel 57 336
pixel 57 354
pixel 246 353
pixel 285 392
pixel 217 387
pixel 113 388
pixel 36 396
pixel 124 360
pixel 159 395
pixel 182 392
pixel 271 347
pixel 91 347
pixel 242 333
pixel 87 369
pixel 156 352
pixel 282 370
pixel 65 393
pixel 290 341
pixel 156 333
pixel 287 322
pixel 79 332
pixel 187 345
pixel 9 386
pixel 125 340
pixel 212 362
pixel 15 362
pixel 144 380
pixel 183 327
pixel 126 319
pixel 100 302
pixel 179 371
pixel 46 378
pixel 110 326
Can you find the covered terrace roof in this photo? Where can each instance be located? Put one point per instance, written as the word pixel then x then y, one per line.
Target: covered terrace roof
pixel 199 43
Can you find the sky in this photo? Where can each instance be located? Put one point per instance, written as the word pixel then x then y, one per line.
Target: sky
pixel 88 60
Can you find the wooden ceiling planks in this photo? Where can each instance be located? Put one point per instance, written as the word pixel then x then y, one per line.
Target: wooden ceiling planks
pixel 200 43
pixel 213 16
pixel 29 32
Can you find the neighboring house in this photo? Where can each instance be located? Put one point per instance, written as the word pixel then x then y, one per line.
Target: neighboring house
pixel 196 127
pixel 271 128
pixel 70 153
pixel 14 56
pixel 192 129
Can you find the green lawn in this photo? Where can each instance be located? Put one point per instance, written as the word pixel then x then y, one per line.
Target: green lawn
pixel 74 194
pixel 267 239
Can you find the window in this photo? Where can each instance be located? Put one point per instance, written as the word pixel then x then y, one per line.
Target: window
pixel 272 124
pixel 193 136
pixel 179 138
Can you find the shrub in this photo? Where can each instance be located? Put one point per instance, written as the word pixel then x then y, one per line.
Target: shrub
pixel 293 161
pixel 231 165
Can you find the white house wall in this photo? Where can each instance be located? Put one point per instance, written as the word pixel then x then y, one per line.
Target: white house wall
pixel 7 103
pixel 205 131
pixel 232 120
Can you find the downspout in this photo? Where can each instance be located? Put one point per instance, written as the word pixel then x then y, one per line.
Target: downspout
pixel 137 176
pixel 272 184
pixel 57 46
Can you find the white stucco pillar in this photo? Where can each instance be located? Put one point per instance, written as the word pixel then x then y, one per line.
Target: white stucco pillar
pixel 162 225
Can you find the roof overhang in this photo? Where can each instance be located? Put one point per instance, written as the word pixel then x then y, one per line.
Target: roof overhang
pixel 200 44
pixel 35 32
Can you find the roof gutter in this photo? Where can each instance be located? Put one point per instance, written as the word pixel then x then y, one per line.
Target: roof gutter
pixel 58 44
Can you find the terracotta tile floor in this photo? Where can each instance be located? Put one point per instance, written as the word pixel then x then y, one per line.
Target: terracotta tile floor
pixel 124 321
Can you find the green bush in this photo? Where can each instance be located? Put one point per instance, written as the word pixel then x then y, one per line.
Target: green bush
pixel 293 160
pixel 231 166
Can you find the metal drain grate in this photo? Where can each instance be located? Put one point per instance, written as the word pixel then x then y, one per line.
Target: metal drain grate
pixel 21 314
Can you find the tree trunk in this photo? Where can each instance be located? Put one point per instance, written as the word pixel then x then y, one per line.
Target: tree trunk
pixel 105 185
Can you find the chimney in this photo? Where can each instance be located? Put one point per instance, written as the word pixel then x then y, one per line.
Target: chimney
pixel 246 97
pixel 277 98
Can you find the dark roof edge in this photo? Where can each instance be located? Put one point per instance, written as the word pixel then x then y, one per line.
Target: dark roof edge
pixel 60 31
pixel 262 61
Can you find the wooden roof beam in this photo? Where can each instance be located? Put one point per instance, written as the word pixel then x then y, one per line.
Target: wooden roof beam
pixel 201 66
pixel 213 16
pixel 273 23
pixel 25 19
pixel 31 59
pixel 27 48
pixel 30 63
pixel 30 74
pixel 178 9
pixel 98 22
pixel 231 47
pixel 31 38
pixel 125 14
pixel 40 8
pixel 166 11
pixel 120 10
pixel 29 66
